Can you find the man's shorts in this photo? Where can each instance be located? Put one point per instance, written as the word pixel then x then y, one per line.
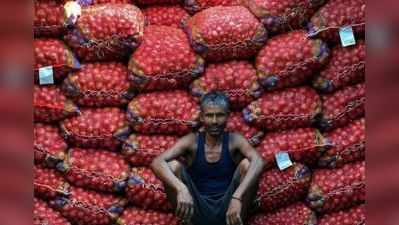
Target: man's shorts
pixel 210 210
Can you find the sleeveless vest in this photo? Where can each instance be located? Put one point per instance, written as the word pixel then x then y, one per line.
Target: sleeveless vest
pixel 212 178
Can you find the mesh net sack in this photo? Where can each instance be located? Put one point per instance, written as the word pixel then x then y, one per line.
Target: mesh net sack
pixel 236 123
pixel 48 144
pixel 99 85
pixel 303 145
pixel 166 112
pixel 343 106
pixel 145 190
pixel 156 2
pixel 106 32
pixel 284 15
pixel 43 214
pixel 225 32
pixel 346 67
pixel 194 6
pixel 141 149
pixel 295 214
pixel 164 60
pixel 86 207
pixel 326 22
pixel 165 15
pixel 280 188
pixel 290 59
pixel 354 215
pixel 85 3
pixel 96 169
pixel 134 215
pixel 284 109
pixel 349 145
pixel 335 189
pixel 51 105
pixel 48 20
pixel 53 53
pixel 48 183
pixel 96 128
pixel 237 79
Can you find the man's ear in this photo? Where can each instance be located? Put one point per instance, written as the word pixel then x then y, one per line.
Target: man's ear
pixel 201 117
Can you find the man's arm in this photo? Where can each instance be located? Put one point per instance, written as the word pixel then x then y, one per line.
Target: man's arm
pixel 256 165
pixel 160 167
pixel 160 164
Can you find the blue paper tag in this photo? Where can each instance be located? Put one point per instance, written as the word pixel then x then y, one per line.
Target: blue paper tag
pixel 46 75
pixel 283 160
pixel 85 2
pixel 347 36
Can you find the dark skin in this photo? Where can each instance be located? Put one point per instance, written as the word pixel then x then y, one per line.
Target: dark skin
pixel 214 119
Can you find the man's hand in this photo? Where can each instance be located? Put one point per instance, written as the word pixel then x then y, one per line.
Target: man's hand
pixel 233 215
pixel 185 205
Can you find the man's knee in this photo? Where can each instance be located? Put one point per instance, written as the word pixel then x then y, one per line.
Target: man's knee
pixel 176 167
pixel 250 195
pixel 243 167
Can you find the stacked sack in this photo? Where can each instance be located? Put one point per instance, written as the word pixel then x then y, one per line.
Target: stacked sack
pixel 313 111
pixel 85 78
pixel 118 82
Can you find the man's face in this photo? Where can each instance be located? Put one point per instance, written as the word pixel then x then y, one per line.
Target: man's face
pixel 214 119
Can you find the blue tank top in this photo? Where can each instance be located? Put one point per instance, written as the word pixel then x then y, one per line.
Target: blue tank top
pixel 212 178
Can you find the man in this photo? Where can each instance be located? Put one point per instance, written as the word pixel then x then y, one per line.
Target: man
pixel 218 180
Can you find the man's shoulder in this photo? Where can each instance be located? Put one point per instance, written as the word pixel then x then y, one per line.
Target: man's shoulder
pixel 190 136
pixel 236 138
pixel 189 139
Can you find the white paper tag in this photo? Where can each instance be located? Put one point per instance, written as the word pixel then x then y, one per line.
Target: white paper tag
pixel 347 36
pixel 46 75
pixel 283 160
pixel 72 11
